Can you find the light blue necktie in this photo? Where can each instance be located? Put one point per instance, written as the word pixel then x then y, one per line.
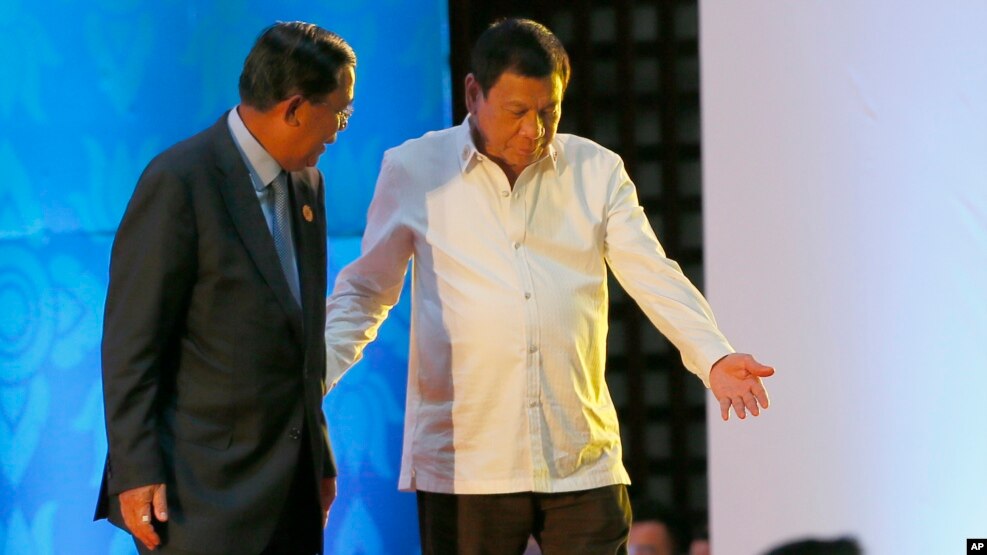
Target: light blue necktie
pixel 282 231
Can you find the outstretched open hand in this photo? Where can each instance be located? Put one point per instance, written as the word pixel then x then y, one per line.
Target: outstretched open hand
pixel 736 382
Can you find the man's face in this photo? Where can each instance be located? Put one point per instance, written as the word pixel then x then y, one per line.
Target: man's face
pixel 516 120
pixel 649 538
pixel 320 121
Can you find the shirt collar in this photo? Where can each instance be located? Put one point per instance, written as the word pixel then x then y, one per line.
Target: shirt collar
pixel 262 166
pixel 469 155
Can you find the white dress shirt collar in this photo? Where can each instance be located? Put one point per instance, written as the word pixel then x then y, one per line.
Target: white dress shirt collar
pixel 469 154
pixel 262 166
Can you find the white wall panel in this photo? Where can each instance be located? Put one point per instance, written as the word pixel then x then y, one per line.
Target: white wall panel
pixel 845 191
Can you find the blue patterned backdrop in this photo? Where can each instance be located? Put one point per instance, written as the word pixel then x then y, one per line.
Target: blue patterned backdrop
pixel 90 91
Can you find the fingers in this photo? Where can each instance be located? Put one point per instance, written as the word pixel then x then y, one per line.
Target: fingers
pixel 761 394
pixel 749 399
pixel 143 530
pixel 135 506
pixel 738 407
pixel 160 503
pixel 725 408
pixel 756 368
pixel 328 494
pixel 761 371
pixel 742 366
pixel 749 366
pixel 751 404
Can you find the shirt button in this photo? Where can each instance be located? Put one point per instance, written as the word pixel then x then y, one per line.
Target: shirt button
pixel 505 194
pixel 533 349
pixel 295 434
pixel 527 295
pixel 517 245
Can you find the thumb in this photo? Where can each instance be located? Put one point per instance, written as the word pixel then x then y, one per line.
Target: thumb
pixel 160 503
pixel 760 370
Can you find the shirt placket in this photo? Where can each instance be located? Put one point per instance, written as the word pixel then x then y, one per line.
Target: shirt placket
pixel 518 219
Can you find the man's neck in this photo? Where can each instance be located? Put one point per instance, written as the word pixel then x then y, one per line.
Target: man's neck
pixel 480 145
pixel 260 126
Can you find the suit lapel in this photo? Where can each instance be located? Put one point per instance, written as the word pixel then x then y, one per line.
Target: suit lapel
pixel 307 234
pixel 244 209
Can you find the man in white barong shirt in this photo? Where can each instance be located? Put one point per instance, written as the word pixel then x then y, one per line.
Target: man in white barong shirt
pixel 510 430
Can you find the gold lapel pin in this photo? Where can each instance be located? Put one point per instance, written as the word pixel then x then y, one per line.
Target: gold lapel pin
pixel 307 213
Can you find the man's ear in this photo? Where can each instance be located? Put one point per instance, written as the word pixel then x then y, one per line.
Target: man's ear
pixel 473 93
pixel 289 108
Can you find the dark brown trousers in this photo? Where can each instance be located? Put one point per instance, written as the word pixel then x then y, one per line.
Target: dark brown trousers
pixel 589 522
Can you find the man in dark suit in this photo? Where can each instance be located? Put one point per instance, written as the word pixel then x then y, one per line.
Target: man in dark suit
pixel 213 346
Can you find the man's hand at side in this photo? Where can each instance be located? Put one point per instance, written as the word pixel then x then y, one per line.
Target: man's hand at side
pixel 137 506
pixel 327 493
pixel 736 381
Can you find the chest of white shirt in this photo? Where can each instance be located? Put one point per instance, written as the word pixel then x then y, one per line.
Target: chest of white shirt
pixel 544 213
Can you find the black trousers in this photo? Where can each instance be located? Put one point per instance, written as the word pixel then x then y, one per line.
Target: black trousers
pixel 299 527
pixel 589 522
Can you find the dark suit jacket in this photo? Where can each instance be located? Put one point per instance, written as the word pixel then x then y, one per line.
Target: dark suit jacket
pixel 211 370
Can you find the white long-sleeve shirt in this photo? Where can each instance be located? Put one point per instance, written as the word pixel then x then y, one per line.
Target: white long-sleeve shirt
pixel 506 388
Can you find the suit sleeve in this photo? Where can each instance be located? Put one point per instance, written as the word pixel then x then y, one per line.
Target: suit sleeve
pixel 152 272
